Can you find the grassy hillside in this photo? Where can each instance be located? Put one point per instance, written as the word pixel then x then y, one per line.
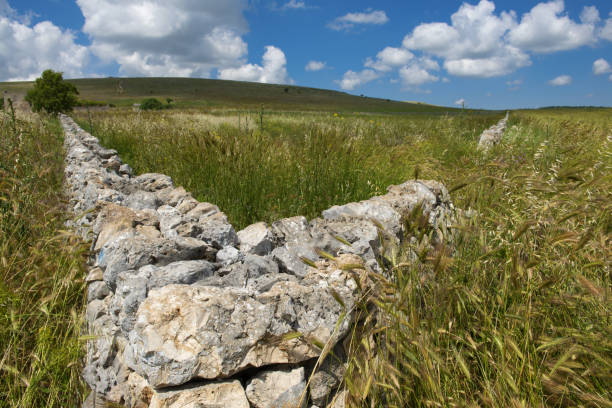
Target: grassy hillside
pixel 192 92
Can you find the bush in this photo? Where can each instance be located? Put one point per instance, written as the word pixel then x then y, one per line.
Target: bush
pixel 151 104
pixel 52 94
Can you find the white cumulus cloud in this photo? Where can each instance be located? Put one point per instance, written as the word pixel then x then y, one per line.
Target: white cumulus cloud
pixel 414 75
pixel 26 50
pixel 561 80
pixel 460 102
pixel 547 29
pixel 161 38
pixel 349 20
pixel 315 66
pixel 271 71
pixel 606 31
pixel 601 66
pixel 473 45
pixel 389 58
pixel 352 79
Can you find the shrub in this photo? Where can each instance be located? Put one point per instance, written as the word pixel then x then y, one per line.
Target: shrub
pixel 52 94
pixel 151 104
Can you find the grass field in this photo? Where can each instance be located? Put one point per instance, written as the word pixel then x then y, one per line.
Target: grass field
pixel 284 164
pixel 518 316
pixel 515 314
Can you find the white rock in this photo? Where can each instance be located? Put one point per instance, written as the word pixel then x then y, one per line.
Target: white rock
pixel 277 389
pixel 256 239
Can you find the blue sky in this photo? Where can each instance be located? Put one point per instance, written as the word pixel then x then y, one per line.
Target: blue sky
pixel 489 54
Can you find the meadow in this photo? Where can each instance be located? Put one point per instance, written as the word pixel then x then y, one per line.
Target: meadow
pixel 515 314
pixel 264 166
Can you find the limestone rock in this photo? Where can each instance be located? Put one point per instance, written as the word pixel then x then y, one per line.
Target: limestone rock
pixel 97 290
pixel 132 250
pixel 141 200
pixel 152 182
pixel 222 394
pixel 328 377
pixel 256 239
pixel 95 274
pixel 339 400
pixel 185 332
pixel 277 389
pixel 217 394
pixel 216 231
pixel 228 255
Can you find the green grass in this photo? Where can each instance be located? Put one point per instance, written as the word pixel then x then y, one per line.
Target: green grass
pixel 299 163
pixel 213 93
pixel 519 315
pixel 41 271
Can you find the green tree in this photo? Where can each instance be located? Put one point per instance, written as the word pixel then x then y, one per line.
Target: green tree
pixel 52 94
pixel 151 104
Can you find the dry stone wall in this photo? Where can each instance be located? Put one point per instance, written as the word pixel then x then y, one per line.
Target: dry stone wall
pixel 493 135
pixel 186 312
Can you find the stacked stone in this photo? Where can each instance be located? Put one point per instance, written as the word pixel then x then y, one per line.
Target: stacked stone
pixel 493 135
pixel 186 312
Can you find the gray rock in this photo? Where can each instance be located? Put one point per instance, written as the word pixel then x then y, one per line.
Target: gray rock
pixel 294 229
pixel 339 400
pixel 185 272
pixel 173 196
pixel 256 239
pixel 104 153
pixel 229 255
pixel 218 394
pixel 132 250
pixel 202 210
pixel 493 135
pixel 169 219
pixel 141 200
pixel 289 259
pixel 95 274
pixel 187 204
pixel 217 231
pixel 211 332
pixel 277 389
pixel 152 182
pixel 95 309
pixel 130 292
pixel 254 273
pixel 172 298
pixel 133 286
pixel 126 169
pixel 97 290
pixel 328 377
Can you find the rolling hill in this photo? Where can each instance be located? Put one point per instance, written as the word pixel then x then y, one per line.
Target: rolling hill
pixel 193 92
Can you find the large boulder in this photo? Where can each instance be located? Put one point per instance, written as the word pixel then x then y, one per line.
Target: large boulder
pixel 186 332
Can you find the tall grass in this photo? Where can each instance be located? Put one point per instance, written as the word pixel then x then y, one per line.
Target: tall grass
pixel 297 164
pixel 515 314
pixel 519 315
pixel 41 271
